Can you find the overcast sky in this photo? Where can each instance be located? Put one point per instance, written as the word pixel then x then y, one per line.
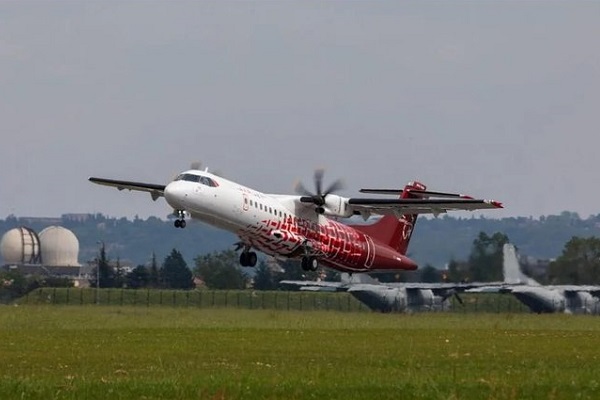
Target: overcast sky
pixel 495 99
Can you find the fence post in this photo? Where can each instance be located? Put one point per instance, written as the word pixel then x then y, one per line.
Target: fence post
pixel 147 297
pixel 67 296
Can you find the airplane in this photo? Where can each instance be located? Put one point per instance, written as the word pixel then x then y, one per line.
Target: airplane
pixel 388 297
pixel 306 225
pixel 569 299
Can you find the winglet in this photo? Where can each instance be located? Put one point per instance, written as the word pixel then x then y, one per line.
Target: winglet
pixel 496 204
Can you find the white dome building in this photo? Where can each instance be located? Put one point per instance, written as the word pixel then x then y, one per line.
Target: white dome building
pixel 60 247
pixel 20 246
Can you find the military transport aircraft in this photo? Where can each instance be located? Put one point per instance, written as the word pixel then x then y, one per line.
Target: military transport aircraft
pixel 569 299
pixel 388 297
pixel 304 226
pixel 416 296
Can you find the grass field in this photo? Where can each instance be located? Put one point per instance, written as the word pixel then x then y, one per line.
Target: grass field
pixel 99 352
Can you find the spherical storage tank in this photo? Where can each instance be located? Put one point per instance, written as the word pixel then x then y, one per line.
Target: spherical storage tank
pixel 60 247
pixel 20 246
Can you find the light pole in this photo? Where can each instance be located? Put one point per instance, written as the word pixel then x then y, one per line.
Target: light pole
pixel 102 250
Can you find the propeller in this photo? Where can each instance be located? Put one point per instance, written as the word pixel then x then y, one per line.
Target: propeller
pixel 453 292
pixel 318 198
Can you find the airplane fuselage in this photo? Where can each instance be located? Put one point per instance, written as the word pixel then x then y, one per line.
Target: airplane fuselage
pixel 276 225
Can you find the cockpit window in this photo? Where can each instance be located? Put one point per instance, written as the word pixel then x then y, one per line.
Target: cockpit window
pixel 197 178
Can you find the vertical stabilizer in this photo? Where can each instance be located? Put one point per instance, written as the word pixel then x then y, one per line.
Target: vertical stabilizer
pixel 391 230
pixel 512 269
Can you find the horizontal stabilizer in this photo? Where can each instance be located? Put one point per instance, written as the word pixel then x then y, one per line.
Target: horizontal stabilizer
pixel 419 193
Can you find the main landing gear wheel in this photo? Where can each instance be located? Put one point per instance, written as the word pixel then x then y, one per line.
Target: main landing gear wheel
pixel 180 221
pixel 310 263
pixel 248 259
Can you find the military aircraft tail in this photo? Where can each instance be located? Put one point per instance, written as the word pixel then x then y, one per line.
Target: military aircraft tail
pixel 513 274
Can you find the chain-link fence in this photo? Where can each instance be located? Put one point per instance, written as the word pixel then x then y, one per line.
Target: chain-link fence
pixel 250 299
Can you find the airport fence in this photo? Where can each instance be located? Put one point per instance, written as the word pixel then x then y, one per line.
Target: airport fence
pixel 246 299
pixel 253 299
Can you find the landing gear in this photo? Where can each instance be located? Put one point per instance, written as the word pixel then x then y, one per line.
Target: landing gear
pixel 309 263
pixel 248 259
pixel 180 221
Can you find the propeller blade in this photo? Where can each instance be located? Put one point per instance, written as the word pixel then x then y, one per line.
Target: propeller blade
pixel 300 189
pixel 319 180
pixel 336 186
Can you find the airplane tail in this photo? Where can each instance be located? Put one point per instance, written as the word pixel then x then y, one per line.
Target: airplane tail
pixel 393 231
pixel 511 268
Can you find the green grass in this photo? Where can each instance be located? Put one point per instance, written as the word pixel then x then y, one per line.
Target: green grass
pixel 91 352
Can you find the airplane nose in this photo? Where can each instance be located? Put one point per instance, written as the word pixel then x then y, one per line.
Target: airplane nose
pixel 176 195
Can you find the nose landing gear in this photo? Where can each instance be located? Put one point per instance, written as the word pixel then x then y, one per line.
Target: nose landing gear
pixel 180 221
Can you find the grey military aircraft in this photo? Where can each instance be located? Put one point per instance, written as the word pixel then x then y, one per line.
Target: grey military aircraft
pixel 570 299
pixel 391 297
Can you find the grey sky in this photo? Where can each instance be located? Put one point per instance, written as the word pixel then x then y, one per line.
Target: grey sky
pixel 495 99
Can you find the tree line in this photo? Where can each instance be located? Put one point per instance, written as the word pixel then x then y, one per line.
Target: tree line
pixel 217 270
pixel 579 264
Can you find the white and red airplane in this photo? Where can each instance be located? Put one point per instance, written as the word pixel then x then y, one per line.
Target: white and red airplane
pixel 304 226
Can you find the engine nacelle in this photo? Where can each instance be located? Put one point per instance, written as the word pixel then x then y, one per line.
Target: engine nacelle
pixel 335 206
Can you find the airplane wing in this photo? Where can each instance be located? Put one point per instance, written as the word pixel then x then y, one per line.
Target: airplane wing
pixel 361 283
pixel 418 206
pixel 317 286
pixel 155 190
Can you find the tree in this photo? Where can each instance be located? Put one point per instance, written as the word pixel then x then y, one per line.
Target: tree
pixel 264 278
pixel 104 270
pixel 578 264
pixel 138 278
pixel 430 274
pixel 174 273
pixel 153 274
pixel 458 271
pixel 485 261
pixel 220 270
